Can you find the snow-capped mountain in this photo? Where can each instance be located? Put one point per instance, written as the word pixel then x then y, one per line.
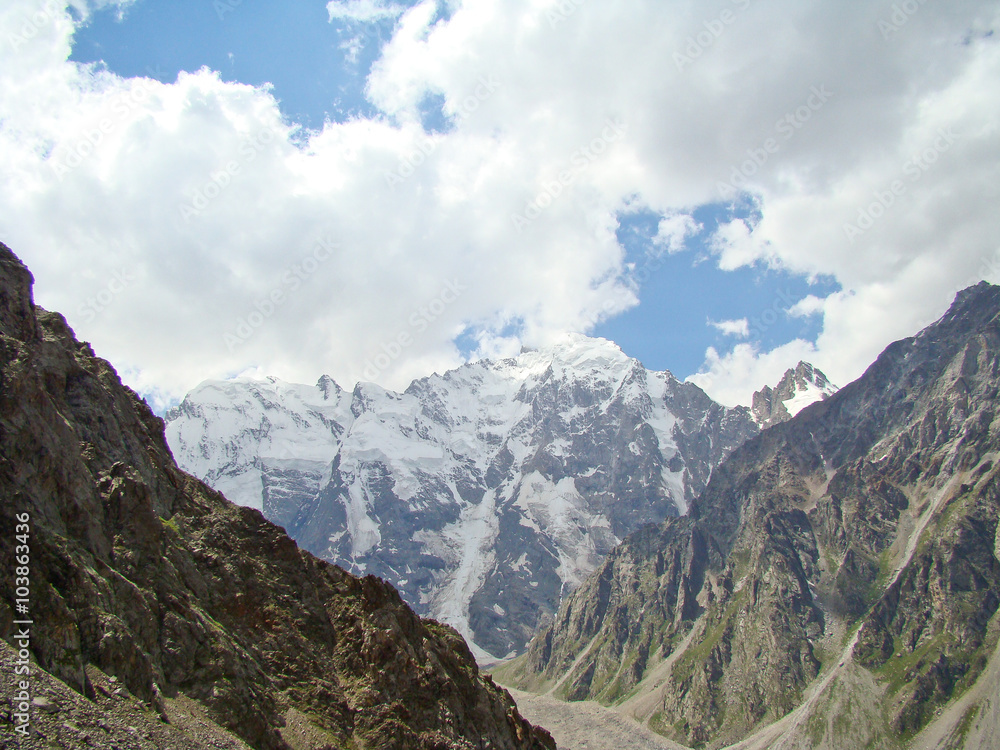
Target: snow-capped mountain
pixel 484 494
pixel 796 390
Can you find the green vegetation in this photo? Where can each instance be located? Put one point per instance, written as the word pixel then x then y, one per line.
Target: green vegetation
pixel 957 740
pixel 903 669
pixel 832 566
pixel 739 562
pixel 699 652
pixel 516 674
pixel 171 524
pixel 619 685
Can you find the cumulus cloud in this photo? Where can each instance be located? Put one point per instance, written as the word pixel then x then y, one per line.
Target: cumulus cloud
pixel 806 307
pixel 189 231
pixel 737 328
pixel 674 231
pixel 733 377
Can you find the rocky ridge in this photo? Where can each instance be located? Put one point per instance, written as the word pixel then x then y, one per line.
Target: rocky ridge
pixel 798 388
pixel 155 598
pixel 837 583
pixel 484 494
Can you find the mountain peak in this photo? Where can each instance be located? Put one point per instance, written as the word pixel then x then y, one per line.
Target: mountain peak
pixel 982 291
pixel 328 386
pixel 797 389
pixel 865 529
pixel 970 305
pixel 483 494
pixel 578 351
pixel 147 583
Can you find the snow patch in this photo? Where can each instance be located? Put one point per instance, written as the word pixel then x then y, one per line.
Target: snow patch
pixel 805 397
pixel 362 528
pixel 243 489
pixel 469 541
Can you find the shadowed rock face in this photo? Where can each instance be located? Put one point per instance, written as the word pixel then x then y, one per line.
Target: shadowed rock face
pixel 144 572
pixel 853 549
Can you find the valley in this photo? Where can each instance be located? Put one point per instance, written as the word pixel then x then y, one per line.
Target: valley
pixel 831 580
pixel 837 584
pixel 588 726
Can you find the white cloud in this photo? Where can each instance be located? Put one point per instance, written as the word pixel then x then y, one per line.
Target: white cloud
pixel 530 90
pixel 738 246
pixel 353 47
pixel 674 231
pixel 738 328
pixel 806 307
pixel 363 10
pixel 733 377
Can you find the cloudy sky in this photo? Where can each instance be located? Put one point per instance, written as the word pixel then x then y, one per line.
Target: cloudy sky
pixel 378 190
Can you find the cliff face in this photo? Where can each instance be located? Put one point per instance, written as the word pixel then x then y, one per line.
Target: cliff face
pixel 836 585
pixel 142 572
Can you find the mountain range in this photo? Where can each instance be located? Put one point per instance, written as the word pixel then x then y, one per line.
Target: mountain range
pixel 819 570
pixel 484 494
pixel 835 585
pixel 144 610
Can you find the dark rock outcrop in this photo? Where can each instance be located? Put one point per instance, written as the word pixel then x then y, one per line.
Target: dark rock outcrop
pixel 142 573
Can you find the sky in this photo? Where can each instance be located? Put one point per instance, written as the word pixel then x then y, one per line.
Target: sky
pixel 380 190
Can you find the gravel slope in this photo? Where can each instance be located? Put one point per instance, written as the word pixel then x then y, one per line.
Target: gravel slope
pixel 586 725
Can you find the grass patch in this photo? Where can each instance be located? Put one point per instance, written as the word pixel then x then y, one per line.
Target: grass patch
pixel 957 740
pixel 699 652
pixel 677 730
pixel 516 674
pixel 739 563
pixel 832 566
pixel 897 669
pixel 171 524
pixel 885 571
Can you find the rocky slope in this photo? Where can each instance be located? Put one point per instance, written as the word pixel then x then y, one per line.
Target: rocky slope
pixel 484 494
pixel 798 388
pixel 152 595
pixel 837 583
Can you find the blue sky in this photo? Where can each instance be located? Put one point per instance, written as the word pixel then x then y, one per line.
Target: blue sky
pixel 292 46
pixel 683 293
pixel 247 187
